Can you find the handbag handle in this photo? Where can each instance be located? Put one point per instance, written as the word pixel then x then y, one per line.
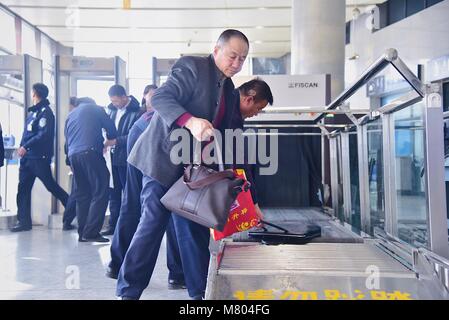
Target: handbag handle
pixel 197 155
pixel 215 177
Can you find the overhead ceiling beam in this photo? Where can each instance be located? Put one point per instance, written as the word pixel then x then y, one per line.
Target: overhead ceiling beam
pixel 164 28
pixel 18 6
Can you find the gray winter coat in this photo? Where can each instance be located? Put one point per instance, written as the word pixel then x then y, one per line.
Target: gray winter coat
pixel 193 86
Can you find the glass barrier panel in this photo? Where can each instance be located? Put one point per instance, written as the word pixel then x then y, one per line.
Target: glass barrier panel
pixel 411 206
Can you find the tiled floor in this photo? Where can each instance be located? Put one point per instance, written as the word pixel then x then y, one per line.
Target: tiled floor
pixel 51 264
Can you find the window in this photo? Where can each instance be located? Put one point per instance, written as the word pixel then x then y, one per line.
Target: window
pixel 8 29
pixel 446 96
pixel 414 6
pixel 396 10
pixel 46 50
pixel 28 40
pixel 431 2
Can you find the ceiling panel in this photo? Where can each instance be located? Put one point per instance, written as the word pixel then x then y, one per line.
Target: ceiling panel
pixel 163 35
pixel 160 19
pixel 139 4
pixel 163 25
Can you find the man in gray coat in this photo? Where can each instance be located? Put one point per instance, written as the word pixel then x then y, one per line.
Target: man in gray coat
pixel 197 96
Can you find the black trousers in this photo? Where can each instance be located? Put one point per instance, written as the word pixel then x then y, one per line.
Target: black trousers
pixel 29 170
pixel 70 208
pixel 116 193
pixel 91 182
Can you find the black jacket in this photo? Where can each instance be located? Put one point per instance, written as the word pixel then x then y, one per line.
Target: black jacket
pixel 132 113
pixel 237 122
pixel 193 86
pixel 2 148
pixel 39 134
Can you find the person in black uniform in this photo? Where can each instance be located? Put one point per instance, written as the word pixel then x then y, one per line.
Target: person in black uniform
pixel 124 111
pixel 36 151
pixel 84 136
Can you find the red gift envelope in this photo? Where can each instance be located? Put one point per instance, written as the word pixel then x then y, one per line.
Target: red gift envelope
pixel 242 215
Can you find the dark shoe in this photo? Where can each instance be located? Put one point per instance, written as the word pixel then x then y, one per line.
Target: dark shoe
pixel 107 232
pixel 176 285
pixel 67 227
pixel 198 297
pixel 111 273
pixel 95 239
pixel 20 227
pixel 80 239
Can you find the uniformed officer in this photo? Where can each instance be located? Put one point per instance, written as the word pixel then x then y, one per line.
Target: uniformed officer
pixel 84 136
pixel 36 151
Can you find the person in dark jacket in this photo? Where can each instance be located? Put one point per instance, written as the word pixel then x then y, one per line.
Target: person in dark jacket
pixel 36 152
pixel 253 96
pixel 130 210
pixel 197 96
pixel 2 148
pixel 85 142
pixel 147 94
pixel 124 111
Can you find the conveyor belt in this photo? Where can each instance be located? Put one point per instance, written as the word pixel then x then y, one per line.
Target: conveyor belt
pixel 338 265
pixel 312 271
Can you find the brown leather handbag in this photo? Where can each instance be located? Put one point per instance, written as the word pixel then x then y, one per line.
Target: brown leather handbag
pixel 204 195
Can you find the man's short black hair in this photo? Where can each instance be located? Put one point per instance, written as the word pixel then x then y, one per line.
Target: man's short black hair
pixel 72 101
pixel 226 35
pixel 148 88
pixel 40 90
pixel 117 91
pixel 85 100
pixel 262 89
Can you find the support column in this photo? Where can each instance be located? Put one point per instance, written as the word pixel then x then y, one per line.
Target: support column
pixel 318 39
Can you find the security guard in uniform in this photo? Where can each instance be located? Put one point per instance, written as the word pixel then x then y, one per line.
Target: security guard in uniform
pixel 36 151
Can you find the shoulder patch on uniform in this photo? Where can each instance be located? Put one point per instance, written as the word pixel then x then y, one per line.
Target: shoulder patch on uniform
pixel 42 122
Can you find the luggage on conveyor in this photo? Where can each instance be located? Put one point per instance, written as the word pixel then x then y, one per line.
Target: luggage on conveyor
pixel 284 236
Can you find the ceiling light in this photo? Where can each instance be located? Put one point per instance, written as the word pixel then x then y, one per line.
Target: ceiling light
pixel 126 4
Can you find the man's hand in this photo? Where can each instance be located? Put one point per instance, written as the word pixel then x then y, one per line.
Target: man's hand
pixel 21 152
pixel 201 129
pixel 110 143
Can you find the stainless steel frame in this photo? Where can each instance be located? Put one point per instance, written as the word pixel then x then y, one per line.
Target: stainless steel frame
pixel 434 164
pixel 388 142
